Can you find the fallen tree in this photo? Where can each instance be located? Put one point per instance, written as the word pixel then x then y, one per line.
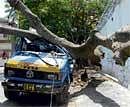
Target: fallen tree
pixel 89 50
pixel 121 45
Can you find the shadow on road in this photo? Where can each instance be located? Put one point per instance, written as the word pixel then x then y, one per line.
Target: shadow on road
pixel 31 101
pixel 96 96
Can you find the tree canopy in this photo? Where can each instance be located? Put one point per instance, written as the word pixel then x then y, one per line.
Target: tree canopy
pixel 72 19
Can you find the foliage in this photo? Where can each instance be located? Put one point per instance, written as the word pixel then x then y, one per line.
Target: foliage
pixel 72 19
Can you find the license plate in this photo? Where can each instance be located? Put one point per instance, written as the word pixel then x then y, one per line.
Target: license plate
pixel 29 87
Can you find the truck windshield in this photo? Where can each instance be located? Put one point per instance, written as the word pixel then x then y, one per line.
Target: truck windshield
pixel 42 46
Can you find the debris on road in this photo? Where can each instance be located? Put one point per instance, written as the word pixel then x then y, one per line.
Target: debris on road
pixel 82 77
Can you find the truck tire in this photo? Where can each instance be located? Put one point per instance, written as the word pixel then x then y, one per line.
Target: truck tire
pixel 63 97
pixel 11 95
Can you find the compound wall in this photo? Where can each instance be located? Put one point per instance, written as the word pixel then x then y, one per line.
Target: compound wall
pixel 120 18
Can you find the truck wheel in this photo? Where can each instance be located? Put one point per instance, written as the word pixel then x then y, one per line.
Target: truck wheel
pixel 11 95
pixel 63 97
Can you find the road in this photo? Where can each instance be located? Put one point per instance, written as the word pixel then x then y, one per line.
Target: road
pixel 96 94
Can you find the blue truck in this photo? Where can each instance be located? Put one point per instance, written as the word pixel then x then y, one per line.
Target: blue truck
pixel 38 66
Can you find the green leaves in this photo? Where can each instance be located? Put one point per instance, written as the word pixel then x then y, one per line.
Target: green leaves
pixel 72 19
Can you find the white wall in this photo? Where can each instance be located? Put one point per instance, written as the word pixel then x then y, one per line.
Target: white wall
pixel 5 46
pixel 121 17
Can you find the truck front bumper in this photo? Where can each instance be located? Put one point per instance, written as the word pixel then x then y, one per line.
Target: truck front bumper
pixel 32 87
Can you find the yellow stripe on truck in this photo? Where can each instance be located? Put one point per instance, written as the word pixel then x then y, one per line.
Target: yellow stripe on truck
pixel 30 66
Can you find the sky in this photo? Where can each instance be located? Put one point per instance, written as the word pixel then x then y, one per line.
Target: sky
pixel 2 9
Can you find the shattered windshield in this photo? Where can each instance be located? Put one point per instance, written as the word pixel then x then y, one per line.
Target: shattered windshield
pixel 42 46
pixel 37 45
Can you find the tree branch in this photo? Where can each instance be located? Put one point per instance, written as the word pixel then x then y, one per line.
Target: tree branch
pixel 36 23
pixel 121 45
pixel 18 32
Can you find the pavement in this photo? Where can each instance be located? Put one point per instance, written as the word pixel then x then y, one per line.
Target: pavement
pixel 101 94
pixel 98 93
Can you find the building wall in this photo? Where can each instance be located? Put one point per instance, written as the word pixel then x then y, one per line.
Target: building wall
pixel 120 18
pixel 5 43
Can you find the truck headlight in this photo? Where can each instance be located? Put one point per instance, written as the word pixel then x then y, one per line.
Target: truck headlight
pixel 11 73
pixel 52 77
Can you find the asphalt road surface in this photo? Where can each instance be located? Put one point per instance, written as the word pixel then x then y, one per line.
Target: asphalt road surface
pixel 95 94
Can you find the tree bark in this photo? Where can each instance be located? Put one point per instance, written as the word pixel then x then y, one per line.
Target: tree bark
pixel 18 32
pixel 121 45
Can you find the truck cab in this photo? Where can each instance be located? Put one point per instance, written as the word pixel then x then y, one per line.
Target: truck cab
pixel 38 66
